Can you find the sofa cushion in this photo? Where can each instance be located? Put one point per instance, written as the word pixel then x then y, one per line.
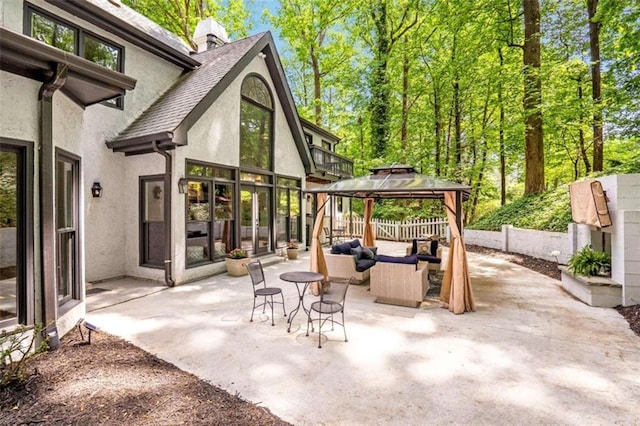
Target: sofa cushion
pixel 409 260
pixel 364 264
pixel 430 259
pixel 344 248
pixel 354 243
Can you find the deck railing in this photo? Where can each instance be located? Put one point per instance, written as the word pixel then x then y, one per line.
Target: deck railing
pixel 394 230
pixel 332 163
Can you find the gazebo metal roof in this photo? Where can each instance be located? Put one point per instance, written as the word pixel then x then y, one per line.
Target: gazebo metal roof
pixel 394 181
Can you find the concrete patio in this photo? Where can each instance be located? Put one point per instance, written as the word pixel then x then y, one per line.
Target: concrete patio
pixel 530 354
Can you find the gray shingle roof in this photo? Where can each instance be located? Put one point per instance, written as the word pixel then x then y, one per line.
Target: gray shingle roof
pixel 170 110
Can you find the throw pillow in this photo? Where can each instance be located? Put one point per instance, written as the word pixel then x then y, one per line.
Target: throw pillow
pixel 355 243
pixel 424 248
pixel 357 252
pixel 367 253
pixel 341 249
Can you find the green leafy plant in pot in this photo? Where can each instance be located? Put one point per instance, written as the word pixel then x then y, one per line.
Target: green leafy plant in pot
pixel 589 262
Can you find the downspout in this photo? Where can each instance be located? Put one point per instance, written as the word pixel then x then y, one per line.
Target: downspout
pixel 168 279
pixel 46 199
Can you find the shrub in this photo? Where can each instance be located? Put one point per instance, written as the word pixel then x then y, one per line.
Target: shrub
pixel 16 347
pixel 589 262
pixel 237 254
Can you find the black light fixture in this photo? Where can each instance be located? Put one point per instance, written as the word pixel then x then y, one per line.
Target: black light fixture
pixel 183 185
pixel 157 192
pixel 96 190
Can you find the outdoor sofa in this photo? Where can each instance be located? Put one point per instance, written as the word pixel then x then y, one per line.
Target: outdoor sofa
pixel 428 251
pixel 399 280
pixel 350 259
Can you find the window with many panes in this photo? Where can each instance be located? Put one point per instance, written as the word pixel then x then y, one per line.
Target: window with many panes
pixel 73 39
pixel 256 124
pixel 210 207
pixel 287 210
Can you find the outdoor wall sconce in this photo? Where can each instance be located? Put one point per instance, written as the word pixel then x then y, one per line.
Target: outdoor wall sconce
pixel 96 190
pixel 183 185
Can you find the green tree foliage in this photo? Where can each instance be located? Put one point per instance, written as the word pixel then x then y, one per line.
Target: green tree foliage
pixel 438 84
pixel 547 211
pixel 315 31
pixel 181 16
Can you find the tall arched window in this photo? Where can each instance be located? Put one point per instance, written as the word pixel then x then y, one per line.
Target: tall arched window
pixel 256 124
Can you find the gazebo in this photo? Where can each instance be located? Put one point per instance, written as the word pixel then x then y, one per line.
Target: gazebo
pixel 401 182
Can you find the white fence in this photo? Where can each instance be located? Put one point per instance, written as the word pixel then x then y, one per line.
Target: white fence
pixel 393 230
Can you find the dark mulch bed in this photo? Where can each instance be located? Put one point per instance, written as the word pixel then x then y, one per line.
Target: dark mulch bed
pixel 114 382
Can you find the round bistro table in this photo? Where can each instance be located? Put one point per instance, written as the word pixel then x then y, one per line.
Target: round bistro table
pixel 301 279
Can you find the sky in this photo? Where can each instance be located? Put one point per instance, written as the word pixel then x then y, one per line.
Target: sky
pixel 256 7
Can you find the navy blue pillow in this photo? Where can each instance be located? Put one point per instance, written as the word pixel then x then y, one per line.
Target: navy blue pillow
pixel 357 252
pixel 367 252
pixel 409 260
pixel 355 243
pixel 341 249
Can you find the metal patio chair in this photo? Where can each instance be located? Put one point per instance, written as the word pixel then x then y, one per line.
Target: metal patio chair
pixel 260 289
pixel 329 304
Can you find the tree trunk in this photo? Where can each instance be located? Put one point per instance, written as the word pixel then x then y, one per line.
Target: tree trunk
pixel 405 99
pixel 379 84
pixel 438 127
pixel 457 121
pixel 503 161
pixel 534 146
pixel 317 104
pixel 583 148
pixel 596 84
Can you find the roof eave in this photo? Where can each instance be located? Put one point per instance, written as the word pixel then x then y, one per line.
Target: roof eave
pixel 143 144
pixel 87 83
pixel 101 18
pixel 320 130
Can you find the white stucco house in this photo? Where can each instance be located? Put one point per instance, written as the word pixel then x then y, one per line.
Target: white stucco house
pixel 124 153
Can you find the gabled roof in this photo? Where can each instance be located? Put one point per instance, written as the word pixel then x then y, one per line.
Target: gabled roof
pixel 119 19
pixel 168 119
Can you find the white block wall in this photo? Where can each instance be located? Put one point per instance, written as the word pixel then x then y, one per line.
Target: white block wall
pixel 530 242
pixel 491 239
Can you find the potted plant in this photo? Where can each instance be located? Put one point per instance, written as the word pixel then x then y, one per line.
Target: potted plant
pixel 236 260
pixel 589 262
pixel 292 250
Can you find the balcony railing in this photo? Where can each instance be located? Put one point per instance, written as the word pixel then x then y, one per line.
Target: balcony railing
pixel 332 163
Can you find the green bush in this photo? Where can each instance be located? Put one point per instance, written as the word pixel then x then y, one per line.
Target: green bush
pixel 548 211
pixel 589 262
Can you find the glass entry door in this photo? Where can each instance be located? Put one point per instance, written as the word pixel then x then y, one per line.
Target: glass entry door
pixel 152 217
pixel 11 231
pixel 255 222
